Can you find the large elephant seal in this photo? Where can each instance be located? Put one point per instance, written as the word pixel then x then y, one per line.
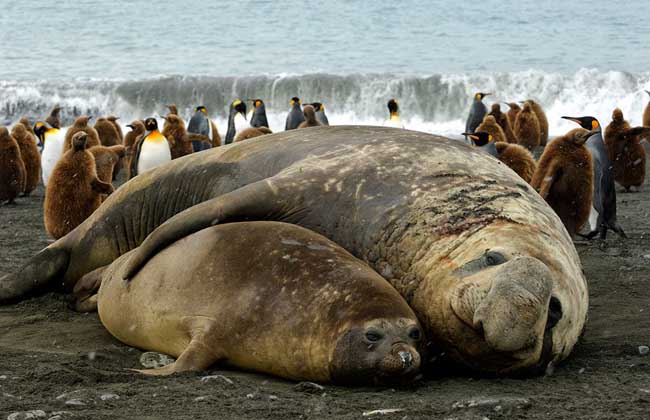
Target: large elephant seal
pixel 264 296
pixel 485 263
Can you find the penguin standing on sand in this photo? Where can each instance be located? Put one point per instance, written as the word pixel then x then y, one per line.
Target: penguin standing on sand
pixel 394 119
pixel 603 211
pixel 130 138
pixel 543 121
pixel 310 117
pixel 564 178
pixel 527 128
pixel 12 168
pixel 151 150
pixel 518 158
pixel 320 113
pixel 258 114
pixel 236 120
pixel 200 124
pixel 53 119
pixel 113 120
pixel 504 123
pixel 625 151
pixel 646 113
pixel 53 141
pixel 513 111
pixel 296 116
pixel 476 113
pixel 30 157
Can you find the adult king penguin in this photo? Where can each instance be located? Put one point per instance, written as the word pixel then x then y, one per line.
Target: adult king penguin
pixel 200 124
pixel 53 141
pixel 151 150
pixel 236 120
pixel 258 114
pixel 295 116
pixel 394 119
pixel 603 211
pixel 320 113
pixel 476 113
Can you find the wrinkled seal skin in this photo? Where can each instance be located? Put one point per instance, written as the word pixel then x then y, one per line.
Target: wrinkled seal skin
pixel 420 209
pixel 264 296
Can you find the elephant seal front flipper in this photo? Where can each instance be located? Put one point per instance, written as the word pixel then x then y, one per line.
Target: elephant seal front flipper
pixel 41 269
pixel 257 201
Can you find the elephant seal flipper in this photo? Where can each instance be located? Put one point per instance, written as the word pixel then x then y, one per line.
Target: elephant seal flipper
pixel 253 202
pixel 40 270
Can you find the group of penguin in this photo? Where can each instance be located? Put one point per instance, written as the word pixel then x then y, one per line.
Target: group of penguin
pixel 576 172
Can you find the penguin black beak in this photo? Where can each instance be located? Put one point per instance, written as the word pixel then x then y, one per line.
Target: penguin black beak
pixel 130 126
pixel 575 120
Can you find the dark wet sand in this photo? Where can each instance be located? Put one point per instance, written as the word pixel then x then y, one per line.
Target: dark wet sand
pixel 66 364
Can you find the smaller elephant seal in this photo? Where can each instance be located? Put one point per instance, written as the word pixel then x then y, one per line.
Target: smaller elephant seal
pixel 269 297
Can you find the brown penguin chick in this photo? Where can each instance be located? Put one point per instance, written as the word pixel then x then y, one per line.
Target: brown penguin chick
pixel 30 128
pixel 543 121
pixel 565 178
pixel 216 137
pixel 106 160
pixel 252 132
pixel 646 113
pixel 73 190
pixel 518 158
pixel 513 111
pixel 310 117
pixel 81 124
pixel 527 127
pixel 12 168
pixel 108 135
pixel 113 120
pixel 173 109
pixel 30 156
pixel 53 118
pixel 625 151
pixel 504 122
pixel 137 130
pixel 490 125
pixel 179 141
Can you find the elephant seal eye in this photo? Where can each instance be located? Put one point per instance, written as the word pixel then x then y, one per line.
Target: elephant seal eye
pixel 414 334
pixel 494 258
pixel 373 336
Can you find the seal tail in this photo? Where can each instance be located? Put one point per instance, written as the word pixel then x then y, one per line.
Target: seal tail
pixel 40 271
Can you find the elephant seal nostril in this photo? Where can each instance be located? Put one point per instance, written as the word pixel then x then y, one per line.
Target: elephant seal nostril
pixel 554 313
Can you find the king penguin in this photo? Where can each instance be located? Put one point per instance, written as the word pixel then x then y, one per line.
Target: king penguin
pixel 200 124
pixel 476 113
pixel 320 113
pixel 236 120
pixel 151 150
pixel 53 141
pixel 394 119
pixel 484 141
pixel 603 211
pixel 295 116
pixel 646 113
pixel 258 114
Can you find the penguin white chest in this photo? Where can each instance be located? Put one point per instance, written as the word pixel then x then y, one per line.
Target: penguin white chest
pixel 152 154
pixel 240 123
pixel 394 122
pixel 52 152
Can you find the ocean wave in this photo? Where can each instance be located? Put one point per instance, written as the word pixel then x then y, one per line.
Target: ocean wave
pixel 435 103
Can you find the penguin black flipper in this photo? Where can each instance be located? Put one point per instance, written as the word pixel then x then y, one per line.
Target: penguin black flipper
pixel 137 148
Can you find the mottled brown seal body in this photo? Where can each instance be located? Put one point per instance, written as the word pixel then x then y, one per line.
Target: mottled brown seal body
pixel 480 257
pixel 12 168
pixel 305 309
pixel 81 124
pixel 30 157
pixel 73 190
pixel 527 128
pixel 564 178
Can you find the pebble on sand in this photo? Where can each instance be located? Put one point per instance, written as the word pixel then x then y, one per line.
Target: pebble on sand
pixel 643 350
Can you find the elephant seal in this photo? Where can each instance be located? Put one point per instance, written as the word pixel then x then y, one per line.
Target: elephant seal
pixel 264 296
pixel 485 263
